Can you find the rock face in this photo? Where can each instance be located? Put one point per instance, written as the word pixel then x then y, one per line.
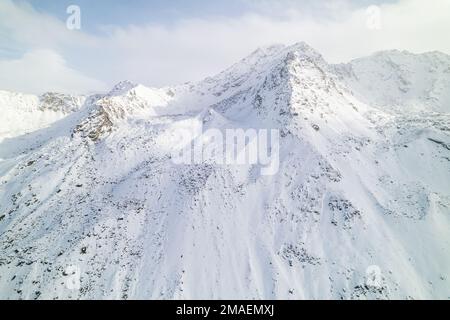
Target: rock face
pixel 359 208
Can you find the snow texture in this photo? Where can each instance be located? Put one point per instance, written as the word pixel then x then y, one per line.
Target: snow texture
pixel 364 180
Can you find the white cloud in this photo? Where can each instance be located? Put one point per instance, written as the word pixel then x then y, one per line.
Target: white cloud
pixel 24 27
pixel 195 48
pixel 42 70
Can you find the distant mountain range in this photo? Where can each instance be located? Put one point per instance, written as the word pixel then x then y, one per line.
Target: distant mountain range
pixel 359 208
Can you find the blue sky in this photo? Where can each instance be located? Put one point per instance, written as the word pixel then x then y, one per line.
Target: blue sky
pixel 160 43
pixel 125 12
pixel 167 12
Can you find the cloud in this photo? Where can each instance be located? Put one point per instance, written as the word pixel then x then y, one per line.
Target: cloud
pixel 42 70
pixel 23 27
pixel 190 49
pixel 156 54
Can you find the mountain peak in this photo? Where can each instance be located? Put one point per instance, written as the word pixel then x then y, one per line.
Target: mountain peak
pixel 397 79
pixel 302 47
pixel 122 87
pixel 280 51
pixel 396 54
pixel 349 178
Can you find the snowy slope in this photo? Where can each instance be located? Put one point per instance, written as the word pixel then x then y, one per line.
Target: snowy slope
pixel 360 187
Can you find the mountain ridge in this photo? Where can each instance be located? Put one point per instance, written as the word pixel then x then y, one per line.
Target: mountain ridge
pixel 359 208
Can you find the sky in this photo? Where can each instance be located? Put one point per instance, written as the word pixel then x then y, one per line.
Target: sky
pixel 168 42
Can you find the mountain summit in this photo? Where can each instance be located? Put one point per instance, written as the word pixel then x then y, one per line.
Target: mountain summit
pixel 359 206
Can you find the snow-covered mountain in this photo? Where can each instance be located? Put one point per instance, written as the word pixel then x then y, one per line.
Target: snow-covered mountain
pixel 360 206
pixel 22 113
